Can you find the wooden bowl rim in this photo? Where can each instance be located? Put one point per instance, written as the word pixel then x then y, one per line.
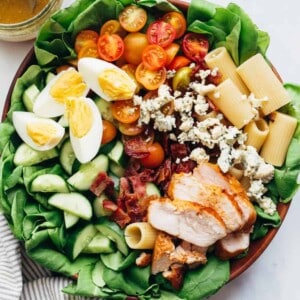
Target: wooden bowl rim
pixel 237 266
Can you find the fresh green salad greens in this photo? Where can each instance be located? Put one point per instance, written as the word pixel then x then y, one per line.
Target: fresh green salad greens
pixel 41 226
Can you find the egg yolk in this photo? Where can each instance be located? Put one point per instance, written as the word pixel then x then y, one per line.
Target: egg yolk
pixel 68 84
pixel 116 85
pixel 42 133
pixel 80 116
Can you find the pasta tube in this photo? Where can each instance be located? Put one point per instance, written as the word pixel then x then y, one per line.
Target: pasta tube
pixel 232 103
pixel 221 59
pixel 263 83
pixel 281 128
pixel 257 132
pixel 140 235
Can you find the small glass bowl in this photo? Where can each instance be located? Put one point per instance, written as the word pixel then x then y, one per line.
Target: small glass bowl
pixel 28 29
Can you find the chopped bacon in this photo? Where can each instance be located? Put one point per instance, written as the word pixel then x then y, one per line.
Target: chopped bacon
pixel 109 205
pixel 136 147
pixel 164 172
pixel 185 166
pixel 179 150
pixel 102 183
pixel 120 217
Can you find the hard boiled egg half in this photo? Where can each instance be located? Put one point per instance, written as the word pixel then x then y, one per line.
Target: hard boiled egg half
pixel 39 133
pixel 106 79
pixel 85 127
pixel 51 101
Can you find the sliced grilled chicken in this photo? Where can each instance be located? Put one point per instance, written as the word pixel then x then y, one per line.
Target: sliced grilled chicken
pixel 189 221
pixel 232 245
pixel 186 186
pixel 210 174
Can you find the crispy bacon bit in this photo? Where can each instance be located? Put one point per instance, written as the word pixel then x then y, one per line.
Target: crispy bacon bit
pixel 136 147
pixel 120 217
pixel 109 205
pixel 185 167
pixel 175 275
pixel 164 172
pixel 102 183
pixel 179 151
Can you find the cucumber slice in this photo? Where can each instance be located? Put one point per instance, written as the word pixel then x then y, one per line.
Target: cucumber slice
pixel 49 77
pixel 88 172
pixel 70 219
pixel 49 183
pixel 78 239
pixel 106 148
pixel 67 156
pixel 116 169
pixel 152 189
pixel 63 121
pixel 26 156
pixel 29 97
pixel 97 274
pixel 99 244
pixel 73 203
pixel 117 154
pixel 98 206
pixel 105 109
pixel 114 232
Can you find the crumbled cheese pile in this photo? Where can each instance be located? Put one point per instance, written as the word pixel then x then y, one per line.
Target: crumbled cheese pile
pixel 208 132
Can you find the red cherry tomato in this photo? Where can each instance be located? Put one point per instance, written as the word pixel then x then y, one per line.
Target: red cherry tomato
pixel 109 132
pixel 179 62
pixel 83 37
pixel 125 111
pixel 177 20
pixel 171 51
pixel 154 57
pixel 195 46
pixel 156 156
pixel 161 33
pixel 110 47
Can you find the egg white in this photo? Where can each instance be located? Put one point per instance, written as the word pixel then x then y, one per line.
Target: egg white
pixel 87 147
pixel 90 69
pixel 45 105
pixel 20 121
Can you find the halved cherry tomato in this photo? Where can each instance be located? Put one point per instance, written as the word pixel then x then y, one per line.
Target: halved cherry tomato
pixel 156 156
pixel 179 62
pixel 171 51
pixel 110 47
pixel 109 132
pixel 131 129
pixel 83 37
pixel 133 18
pixel 151 80
pixel 161 33
pixel 125 111
pixel 134 44
pixel 177 20
pixel 112 26
pixel 154 57
pixel 90 49
pixel 195 46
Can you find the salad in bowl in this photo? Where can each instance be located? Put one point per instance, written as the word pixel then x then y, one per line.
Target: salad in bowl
pixel 148 148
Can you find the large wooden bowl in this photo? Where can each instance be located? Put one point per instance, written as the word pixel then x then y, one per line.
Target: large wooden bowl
pixel 257 247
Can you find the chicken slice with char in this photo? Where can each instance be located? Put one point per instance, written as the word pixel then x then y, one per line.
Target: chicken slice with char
pixel 188 187
pixel 189 221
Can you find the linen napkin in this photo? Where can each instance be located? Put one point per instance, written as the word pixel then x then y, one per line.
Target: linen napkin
pixel 21 278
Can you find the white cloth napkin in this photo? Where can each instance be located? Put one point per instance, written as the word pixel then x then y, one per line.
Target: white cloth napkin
pixel 21 278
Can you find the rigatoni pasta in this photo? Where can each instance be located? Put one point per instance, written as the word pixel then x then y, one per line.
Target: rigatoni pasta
pixel 221 59
pixel 281 130
pixel 257 131
pixel 140 235
pixel 262 82
pixel 232 103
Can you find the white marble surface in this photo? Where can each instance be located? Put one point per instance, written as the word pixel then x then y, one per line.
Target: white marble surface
pixel 275 273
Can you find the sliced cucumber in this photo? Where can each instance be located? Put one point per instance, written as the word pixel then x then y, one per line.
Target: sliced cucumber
pixel 73 203
pixel 99 210
pixel 114 232
pixel 49 183
pixel 26 156
pixel 99 244
pixel 106 148
pixel 97 274
pixel 117 154
pixel 105 109
pixel 116 169
pixel 63 121
pixel 70 219
pixel 88 172
pixel 49 77
pixel 67 156
pixel 78 239
pixel 29 97
pixel 152 189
